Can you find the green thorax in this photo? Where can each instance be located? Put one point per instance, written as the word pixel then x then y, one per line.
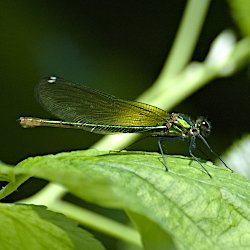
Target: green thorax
pixel 180 126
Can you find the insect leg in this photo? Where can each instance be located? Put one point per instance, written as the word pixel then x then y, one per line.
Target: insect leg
pixel 191 144
pixel 213 152
pixel 162 153
pixel 160 141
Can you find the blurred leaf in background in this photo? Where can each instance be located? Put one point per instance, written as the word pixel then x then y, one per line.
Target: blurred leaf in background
pixel 240 11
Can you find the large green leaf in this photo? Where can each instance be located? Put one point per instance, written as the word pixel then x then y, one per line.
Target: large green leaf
pixel 184 204
pixel 34 227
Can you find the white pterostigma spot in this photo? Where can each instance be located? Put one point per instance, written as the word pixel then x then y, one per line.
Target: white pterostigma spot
pixel 52 79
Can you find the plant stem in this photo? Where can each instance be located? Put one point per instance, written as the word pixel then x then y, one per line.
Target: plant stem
pixel 180 54
pixel 185 40
pixel 97 222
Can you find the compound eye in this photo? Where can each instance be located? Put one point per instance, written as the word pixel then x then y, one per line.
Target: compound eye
pixel 205 127
pixel 204 124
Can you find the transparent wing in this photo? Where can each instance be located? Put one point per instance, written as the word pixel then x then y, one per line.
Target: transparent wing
pixel 77 103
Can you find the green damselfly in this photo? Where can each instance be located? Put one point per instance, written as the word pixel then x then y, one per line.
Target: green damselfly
pixel 84 108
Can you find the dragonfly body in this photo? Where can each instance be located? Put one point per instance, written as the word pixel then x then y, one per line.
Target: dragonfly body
pixel 84 108
pixel 177 125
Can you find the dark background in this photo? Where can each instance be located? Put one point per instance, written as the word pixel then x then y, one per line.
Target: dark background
pixel 118 47
pixel 115 46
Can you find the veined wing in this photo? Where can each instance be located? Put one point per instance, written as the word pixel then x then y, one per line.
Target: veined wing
pixel 80 104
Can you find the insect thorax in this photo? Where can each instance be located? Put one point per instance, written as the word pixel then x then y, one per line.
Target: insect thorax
pixel 179 125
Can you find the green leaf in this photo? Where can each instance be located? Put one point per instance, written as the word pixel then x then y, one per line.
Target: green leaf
pixel 183 204
pixel 152 235
pixel 7 174
pixel 34 227
pixel 238 155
